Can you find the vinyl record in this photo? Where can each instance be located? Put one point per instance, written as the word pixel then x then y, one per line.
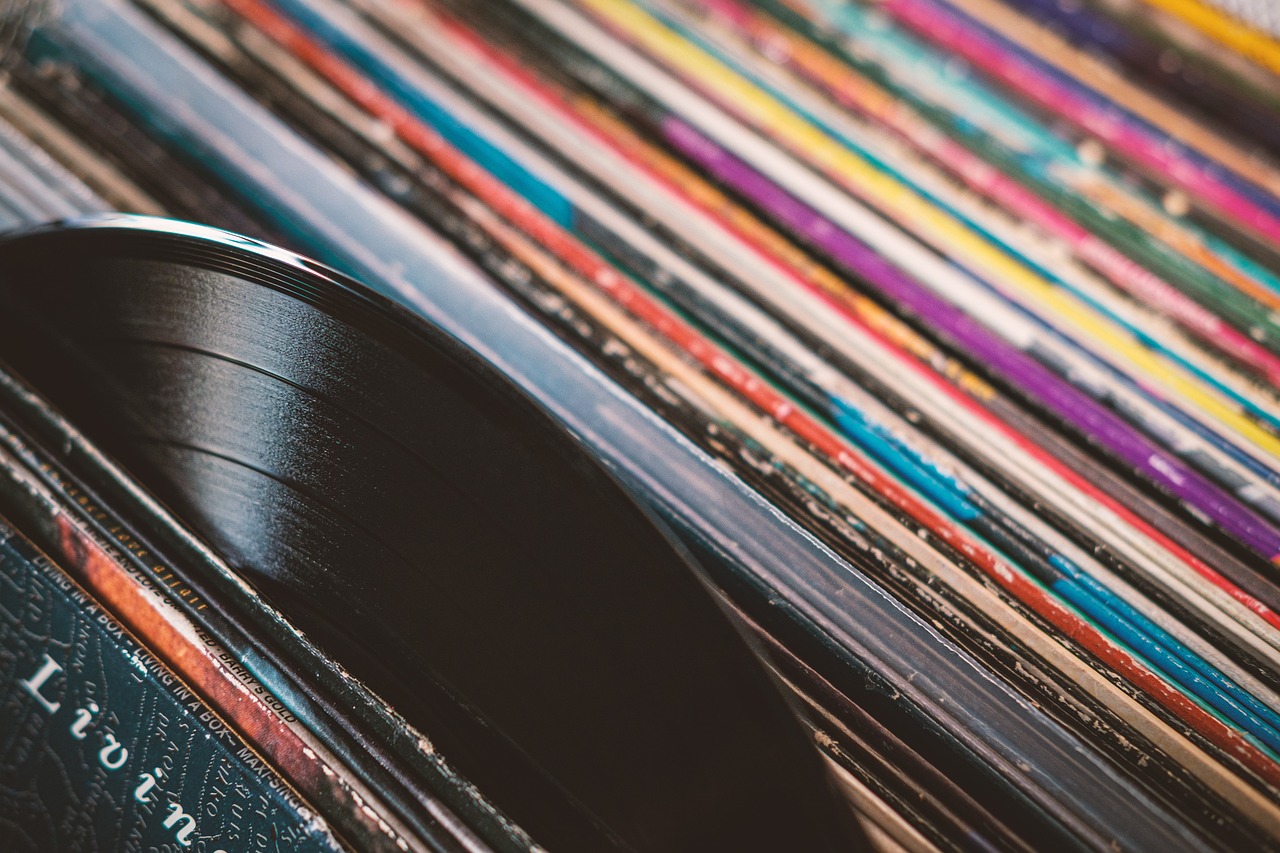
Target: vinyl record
pixel 430 525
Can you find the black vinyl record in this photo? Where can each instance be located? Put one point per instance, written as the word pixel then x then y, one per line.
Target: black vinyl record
pixel 429 525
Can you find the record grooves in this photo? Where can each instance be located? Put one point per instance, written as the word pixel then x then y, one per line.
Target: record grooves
pixel 525 582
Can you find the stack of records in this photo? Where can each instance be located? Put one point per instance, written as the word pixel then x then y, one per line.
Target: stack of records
pixel 705 424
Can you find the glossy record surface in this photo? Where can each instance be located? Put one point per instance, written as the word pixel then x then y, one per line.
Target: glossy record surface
pixel 428 524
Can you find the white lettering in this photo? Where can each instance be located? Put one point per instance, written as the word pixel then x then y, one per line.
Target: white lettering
pixel 33 684
pixel 83 717
pixel 176 814
pixel 143 791
pixel 111 749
